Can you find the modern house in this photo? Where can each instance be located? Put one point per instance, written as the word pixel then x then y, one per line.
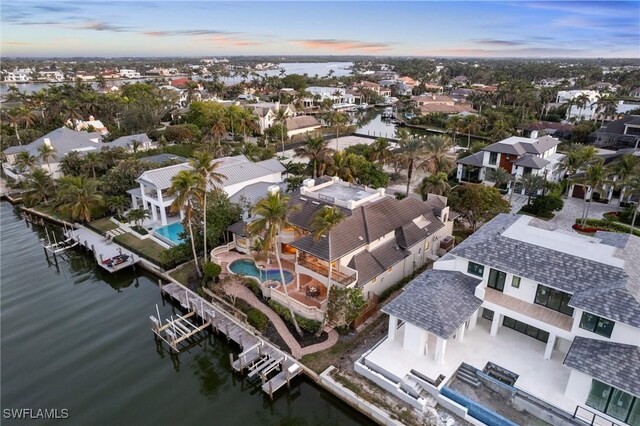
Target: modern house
pixel 518 156
pixel 380 241
pixel 19 75
pixel 239 172
pixel 126 73
pixel 554 316
pixel 622 133
pixel 63 140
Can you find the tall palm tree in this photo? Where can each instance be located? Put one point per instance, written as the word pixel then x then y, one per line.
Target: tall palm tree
pixel 436 155
pixel 281 119
pixel 26 161
pixel 471 125
pixel 117 204
pixel 581 101
pixel 219 125
pixel 531 184
pixel 316 150
pixel 633 188
pixel 498 175
pixel 92 161
pixel 410 151
pixel 596 176
pixel 454 124
pixel 12 116
pixel 380 151
pixel 79 196
pixel 203 164
pixel 248 120
pixel 45 153
pixel 187 186
pixel 323 223
pixel 272 216
pixel 434 184
pixel 26 116
pixel 344 166
pixel 606 104
pixel 338 120
pixel 40 185
pixel 626 168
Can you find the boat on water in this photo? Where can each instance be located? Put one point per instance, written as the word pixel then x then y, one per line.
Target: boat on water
pixel 387 113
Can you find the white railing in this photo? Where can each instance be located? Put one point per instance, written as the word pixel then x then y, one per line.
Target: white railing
pixel 216 252
pixel 309 312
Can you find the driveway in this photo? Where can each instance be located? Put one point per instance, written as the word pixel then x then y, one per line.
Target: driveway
pixel 573 209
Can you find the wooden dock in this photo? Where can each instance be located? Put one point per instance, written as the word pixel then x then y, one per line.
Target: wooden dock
pixel 258 359
pixel 108 254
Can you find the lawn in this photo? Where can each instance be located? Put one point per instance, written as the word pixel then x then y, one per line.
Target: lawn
pixel 103 224
pixel 147 247
pixel 185 273
pixel 51 211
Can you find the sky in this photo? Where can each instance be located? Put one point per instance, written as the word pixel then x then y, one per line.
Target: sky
pixel 427 28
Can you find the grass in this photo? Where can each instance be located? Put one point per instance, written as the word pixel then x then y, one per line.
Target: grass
pixel 319 361
pixel 51 211
pixel 103 224
pixel 147 247
pixel 184 273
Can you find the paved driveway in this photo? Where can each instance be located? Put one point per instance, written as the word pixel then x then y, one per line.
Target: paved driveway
pixel 573 209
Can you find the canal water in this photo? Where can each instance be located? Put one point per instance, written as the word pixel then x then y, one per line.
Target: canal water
pixel 77 338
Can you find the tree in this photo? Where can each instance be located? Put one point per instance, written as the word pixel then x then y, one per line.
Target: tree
pixel 137 216
pixel 606 104
pixel 337 120
pixel 596 176
pixel 499 176
pixel 344 305
pixel 454 124
pixel 281 119
pixel 472 125
pixel 117 204
pixel 203 164
pixel 344 165
pixel 316 150
pixel 410 151
pixel 380 151
pixel 92 161
pixel 434 184
pixel 39 186
pixel 633 187
pixel 325 221
pixel 13 117
pixel 272 215
pixel 187 184
pixel 581 101
pixel 45 153
pixel 26 161
pixel 79 197
pixel 436 153
pixel 477 203
pixel 531 184
pixel 626 168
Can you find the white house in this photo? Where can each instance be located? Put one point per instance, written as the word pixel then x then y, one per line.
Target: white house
pixel 132 143
pixel 266 112
pixel 301 124
pixel 239 172
pixel 516 155
pixel 52 75
pixel 320 93
pixel 19 75
pixel 556 315
pixel 127 73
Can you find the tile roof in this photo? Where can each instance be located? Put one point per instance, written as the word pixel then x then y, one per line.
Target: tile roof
pixel 161 177
pixel 473 159
pixel 616 364
pixel 301 122
pixel 370 264
pixel 127 141
pixel 599 288
pixel 64 140
pixel 532 161
pixel 437 301
pixel 253 193
pixel 506 148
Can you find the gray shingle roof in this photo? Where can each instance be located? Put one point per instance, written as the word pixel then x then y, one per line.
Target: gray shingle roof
pixel 597 287
pixel 308 207
pixel 126 142
pixel 505 148
pixel 531 161
pixel 370 264
pixel 64 140
pixel 472 160
pixel 437 301
pixel 239 228
pixel 253 193
pixel 613 363
pixel 541 145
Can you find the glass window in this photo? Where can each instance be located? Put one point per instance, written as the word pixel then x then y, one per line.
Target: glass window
pixel 543 336
pixel 515 282
pixel 588 321
pixel 509 322
pixel 619 405
pixel 475 269
pixel 542 295
pixel 594 323
pixel 496 279
pixel 634 416
pixel 604 327
pixel 553 299
pixel 598 395
pixel 487 313
pixel 493 157
pixel 564 304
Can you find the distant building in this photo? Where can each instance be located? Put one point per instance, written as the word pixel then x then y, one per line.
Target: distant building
pixel 551 128
pixel 622 133
pixel 142 143
pixel 428 104
pixel 301 124
pixel 52 75
pixel 127 73
pixel 19 75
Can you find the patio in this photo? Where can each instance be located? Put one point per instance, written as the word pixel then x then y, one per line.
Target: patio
pixel 523 355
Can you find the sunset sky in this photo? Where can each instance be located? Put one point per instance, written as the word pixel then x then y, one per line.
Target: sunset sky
pixel 205 28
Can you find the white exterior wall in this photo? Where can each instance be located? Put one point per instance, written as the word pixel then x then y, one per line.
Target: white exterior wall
pixel 415 339
pixel 622 333
pixel 303 130
pixel 526 292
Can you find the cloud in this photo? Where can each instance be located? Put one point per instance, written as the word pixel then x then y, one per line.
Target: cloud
pixel 340 45
pixel 230 41
pixel 102 26
pixel 505 53
pixel 595 8
pixel 496 42
pixel 16 43
pixel 169 33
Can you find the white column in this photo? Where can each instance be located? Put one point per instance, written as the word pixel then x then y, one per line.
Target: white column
pixel 134 201
pixel 163 213
pixel 550 344
pixel 393 327
pixel 441 346
pixel 422 349
pixel 154 212
pixel 495 324
pixel 460 334
pixel 474 319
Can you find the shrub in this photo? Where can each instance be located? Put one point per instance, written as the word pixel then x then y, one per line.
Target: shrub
pixel 174 256
pixel 140 230
pixel 593 225
pixel 544 206
pixel 257 319
pixel 253 286
pixel 211 271
pixel 308 325
pixel 182 133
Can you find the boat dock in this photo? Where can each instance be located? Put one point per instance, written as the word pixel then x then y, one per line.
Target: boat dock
pixel 259 359
pixel 108 254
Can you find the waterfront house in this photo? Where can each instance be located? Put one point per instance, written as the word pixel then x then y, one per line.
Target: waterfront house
pixel 555 315
pixel 622 133
pixel 267 111
pixel 239 172
pixel 380 241
pixel 301 124
pixel 127 142
pixel 516 155
pixel 63 140
pixel 428 104
pixel 19 75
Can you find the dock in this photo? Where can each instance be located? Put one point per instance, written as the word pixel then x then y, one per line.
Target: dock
pixel 108 254
pixel 258 358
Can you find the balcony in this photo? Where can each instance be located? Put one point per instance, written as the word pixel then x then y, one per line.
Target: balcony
pixel 344 277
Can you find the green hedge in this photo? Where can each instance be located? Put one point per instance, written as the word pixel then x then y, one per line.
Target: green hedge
pixel 309 325
pixel 257 319
pixel 253 286
pixel 607 225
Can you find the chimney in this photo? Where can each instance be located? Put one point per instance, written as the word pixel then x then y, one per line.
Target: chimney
pixel 277 105
pixel 91 118
pixel 273 189
pixel 534 134
pixel 47 142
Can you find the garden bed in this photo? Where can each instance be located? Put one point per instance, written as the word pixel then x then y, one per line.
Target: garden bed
pixel 594 225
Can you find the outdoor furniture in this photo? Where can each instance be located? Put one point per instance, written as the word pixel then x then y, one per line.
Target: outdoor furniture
pixel 312 291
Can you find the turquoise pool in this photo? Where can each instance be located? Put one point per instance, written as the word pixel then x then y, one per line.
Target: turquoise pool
pixel 171 233
pixel 248 267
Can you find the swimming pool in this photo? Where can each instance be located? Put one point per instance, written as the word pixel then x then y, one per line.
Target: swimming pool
pixel 248 267
pixel 171 233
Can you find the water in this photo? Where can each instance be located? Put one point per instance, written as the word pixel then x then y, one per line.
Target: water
pixel 171 233
pixel 80 338
pixel 310 68
pixel 248 267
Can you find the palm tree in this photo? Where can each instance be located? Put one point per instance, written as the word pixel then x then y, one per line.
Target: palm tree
pixel 532 184
pixel 316 150
pixel 380 151
pixel 607 105
pixel 137 216
pixel 498 175
pixel 203 164
pixel 219 123
pixel 118 204
pixel 13 118
pixel 336 119
pixel 436 153
pixel 187 186
pixel 248 120
pixel 79 196
pixel 26 161
pixel 323 223
pixel 40 185
pixel 471 125
pixel 596 176
pixel 25 116
pixel 45 153
pixel 454 125
pixel 92 161
pixel 581 101
pixel 633 187
pixel 626 168
pixel 434 184
pixel 410 151
pixel 272 215
pixel 281 119
pixel 343 166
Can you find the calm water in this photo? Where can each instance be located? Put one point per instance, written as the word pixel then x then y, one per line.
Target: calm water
pixel 310 68
pixel 248 267
pixel 80 339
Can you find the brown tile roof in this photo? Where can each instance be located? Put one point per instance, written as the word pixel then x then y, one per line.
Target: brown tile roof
pixel 301 122
pixel 444 108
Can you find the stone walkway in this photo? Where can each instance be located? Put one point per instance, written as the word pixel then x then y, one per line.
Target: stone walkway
pixel 239 290
pixel 573 209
